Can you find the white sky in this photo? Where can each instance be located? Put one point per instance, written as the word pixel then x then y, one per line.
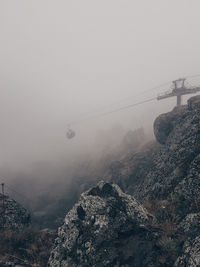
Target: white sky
pixel 62 59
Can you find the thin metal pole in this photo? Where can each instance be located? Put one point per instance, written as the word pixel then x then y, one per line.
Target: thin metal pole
pixel 178 100
pixel 3 203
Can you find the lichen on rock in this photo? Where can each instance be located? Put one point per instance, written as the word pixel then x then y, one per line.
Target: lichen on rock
pixel 191 254
pixel 101 230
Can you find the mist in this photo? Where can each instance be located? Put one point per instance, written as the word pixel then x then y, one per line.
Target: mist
pixel 71 61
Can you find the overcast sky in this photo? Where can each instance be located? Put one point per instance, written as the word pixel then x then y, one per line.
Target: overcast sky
pixel 60 60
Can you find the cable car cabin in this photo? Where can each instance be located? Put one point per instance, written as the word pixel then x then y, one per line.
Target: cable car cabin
pixel 70 134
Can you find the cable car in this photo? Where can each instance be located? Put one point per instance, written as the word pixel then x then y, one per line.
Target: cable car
pixel 70 134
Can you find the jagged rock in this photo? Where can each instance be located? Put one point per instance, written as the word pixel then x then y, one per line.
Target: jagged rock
pixel 190 226
pixel 105 228
pixel 191 254
pixel 168 176
pixel 176 169
pixel 172 170
pixel 12 215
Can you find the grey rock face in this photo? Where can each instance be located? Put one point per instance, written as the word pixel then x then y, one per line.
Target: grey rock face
pixel 190 226
pixel 109 228
pixel 176 167
pixel 12 215
pixel 172 169
pixel 190 229
pixel 102 229
pixel 191 254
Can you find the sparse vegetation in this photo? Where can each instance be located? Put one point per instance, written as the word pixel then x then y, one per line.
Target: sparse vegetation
pixel 30 246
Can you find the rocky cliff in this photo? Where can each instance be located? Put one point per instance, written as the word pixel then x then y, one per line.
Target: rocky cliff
pixel 101 230
pixel 12 215
pixel 169 168
pixel 109 228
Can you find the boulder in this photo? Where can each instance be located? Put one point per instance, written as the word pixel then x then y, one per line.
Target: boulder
pixel 105 228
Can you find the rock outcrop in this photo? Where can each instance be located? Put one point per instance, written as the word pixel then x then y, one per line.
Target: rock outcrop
pixel 189 228
pixel 102 229
pixel 12 215
pixel 168 169
pixel 176 172
pixel 191 254
pixel 109 228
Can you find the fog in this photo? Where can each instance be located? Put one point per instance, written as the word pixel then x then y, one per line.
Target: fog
pixel 66 61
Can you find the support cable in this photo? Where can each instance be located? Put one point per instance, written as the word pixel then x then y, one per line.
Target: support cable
pixel 112 111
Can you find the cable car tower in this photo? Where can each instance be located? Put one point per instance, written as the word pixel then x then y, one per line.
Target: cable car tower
pixel 178 89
